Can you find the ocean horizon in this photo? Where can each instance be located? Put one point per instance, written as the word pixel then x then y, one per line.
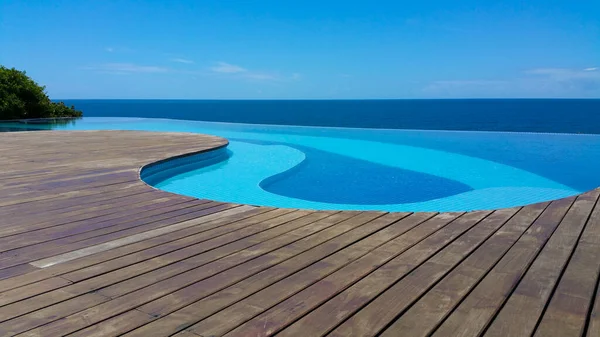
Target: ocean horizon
pixel 516 115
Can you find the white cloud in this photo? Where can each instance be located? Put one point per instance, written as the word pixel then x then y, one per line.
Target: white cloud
pixel 566 74
pixel 238 72
pixel 540 82
pixel 260 76
pixel 461 83
pixel 568 80
pixel 118 49
pixel 549 71
pixel 127 68
pixel 226 68
pixel 180 60
pixel 457 87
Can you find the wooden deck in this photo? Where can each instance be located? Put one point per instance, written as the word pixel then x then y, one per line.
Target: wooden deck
pixel 87 249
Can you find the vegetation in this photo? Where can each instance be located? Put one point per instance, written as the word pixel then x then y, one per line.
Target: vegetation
pixel 22 98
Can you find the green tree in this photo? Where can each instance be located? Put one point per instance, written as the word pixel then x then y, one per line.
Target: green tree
pixel 22 98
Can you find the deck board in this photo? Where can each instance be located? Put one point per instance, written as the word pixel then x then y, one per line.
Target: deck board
pixel 378 314
pixel 421 318
pixel 88 249
pixel 522 311
pixel 472 316
pixel 567 312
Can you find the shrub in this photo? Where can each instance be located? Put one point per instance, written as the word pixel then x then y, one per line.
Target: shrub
pixel 22 98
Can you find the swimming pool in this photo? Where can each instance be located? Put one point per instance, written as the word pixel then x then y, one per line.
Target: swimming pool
pixel 369 169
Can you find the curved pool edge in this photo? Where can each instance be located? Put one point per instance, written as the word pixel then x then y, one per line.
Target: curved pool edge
pixel 194 160
pixel 147 168
pixel 153 173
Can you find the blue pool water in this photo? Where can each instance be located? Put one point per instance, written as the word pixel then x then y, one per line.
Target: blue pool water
pixel 369 169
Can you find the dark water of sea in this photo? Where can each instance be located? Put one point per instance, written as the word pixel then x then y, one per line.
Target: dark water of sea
pixel 525 115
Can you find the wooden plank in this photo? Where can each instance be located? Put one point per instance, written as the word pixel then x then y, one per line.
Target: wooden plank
pixel 163 306
pixel 309 294
pixel 379 313
pixel 158 219
pixel 218 232
pixel 44 263
pixel 166 217
pixel 259 256
pixel 48 314
pixel 79 230
pixel 23 255
pixel 185 334
pixel 473 314
pixel 93 198
pixel 170 269
pixel 205 242
pixel 344 304
pixel 40 274
pixel 76 214
pixel 34 197
pixel 114 213
pixel 176 300
pixel 115 178
pixel 522 310
pixel 18 294
pixel 13 271
pixel 83 213
pixel 56 175
pixel 85 199
pixel 594 320
pixel 278 237
pixel 116 325
pixel 24 196
pixel 211 234
pixel 422 317
pixel 47 188
pixel 189 314
pixel 26 188
pixel 567 313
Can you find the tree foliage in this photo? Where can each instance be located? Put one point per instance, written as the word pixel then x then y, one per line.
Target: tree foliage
pixel 22 98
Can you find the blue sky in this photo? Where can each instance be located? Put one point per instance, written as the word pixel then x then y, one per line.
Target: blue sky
pixel 305 49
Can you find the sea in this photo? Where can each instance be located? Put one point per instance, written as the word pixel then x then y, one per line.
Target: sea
pixel 521 115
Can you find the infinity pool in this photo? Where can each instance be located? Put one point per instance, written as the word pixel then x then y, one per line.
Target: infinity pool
pixel 368 169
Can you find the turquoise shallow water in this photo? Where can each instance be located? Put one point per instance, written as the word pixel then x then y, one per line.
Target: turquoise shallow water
pixel 370 169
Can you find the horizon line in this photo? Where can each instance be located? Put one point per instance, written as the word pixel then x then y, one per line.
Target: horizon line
pixel 329 99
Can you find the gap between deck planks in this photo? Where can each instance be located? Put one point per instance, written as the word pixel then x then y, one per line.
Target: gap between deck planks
pixel 87 249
